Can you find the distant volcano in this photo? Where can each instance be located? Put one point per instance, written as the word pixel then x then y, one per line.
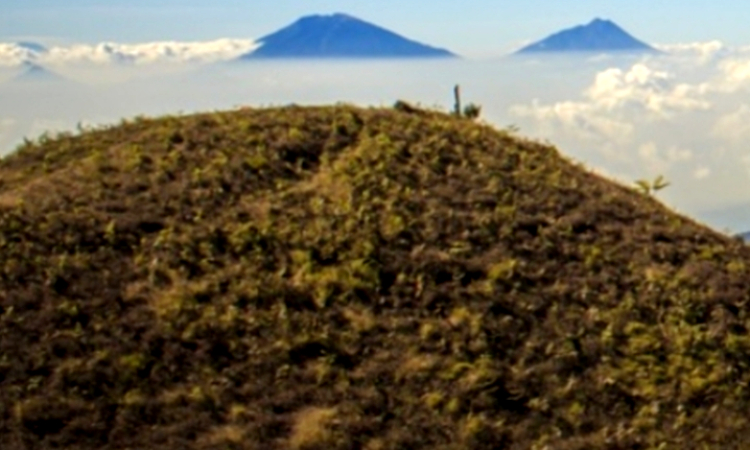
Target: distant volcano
pixel 339 36
pixel 598 35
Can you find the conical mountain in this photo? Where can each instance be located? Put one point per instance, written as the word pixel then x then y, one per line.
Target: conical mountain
pixel 340 36
pixel 598 35
pixel 338 278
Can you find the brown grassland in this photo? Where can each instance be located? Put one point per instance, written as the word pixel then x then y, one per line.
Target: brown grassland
pixel 346 278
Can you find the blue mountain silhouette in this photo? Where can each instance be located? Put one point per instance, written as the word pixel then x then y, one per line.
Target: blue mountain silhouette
pixel 597 35
pixel 339 36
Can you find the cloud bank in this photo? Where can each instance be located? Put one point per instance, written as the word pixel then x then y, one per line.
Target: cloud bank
pixel 685 116
pixel 14 54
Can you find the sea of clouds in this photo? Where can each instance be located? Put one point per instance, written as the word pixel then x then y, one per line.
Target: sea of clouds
pixel 14 54
pixel 683 114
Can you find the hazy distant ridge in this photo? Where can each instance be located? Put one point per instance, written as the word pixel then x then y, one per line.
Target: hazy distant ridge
pixel 36 73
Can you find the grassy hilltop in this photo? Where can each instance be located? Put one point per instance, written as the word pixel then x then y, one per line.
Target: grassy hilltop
pixel 344 278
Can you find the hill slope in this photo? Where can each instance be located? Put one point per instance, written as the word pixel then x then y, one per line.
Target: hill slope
pixel 597 35
pixel 339 36
pixel 336 278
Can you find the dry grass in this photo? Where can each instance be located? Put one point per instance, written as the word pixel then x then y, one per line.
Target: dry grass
pixel 223 435
pixel 311 428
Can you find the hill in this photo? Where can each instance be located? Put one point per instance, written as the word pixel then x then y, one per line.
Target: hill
pixel 745 236
pixel 337 278
pixel 596 36
pixel 339 36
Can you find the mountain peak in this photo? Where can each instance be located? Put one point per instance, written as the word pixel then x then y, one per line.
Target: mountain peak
pixel 326 17
pixel 339 35
pixel 597 35
pixel 603 25
pixel 336 15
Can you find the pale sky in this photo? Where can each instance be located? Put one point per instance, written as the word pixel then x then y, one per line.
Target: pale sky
pixel 468 27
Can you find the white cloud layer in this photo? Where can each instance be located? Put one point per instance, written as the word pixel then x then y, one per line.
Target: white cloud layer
pixel 615 96
pixel 13 54
pixel 685 115
pixel 699 52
